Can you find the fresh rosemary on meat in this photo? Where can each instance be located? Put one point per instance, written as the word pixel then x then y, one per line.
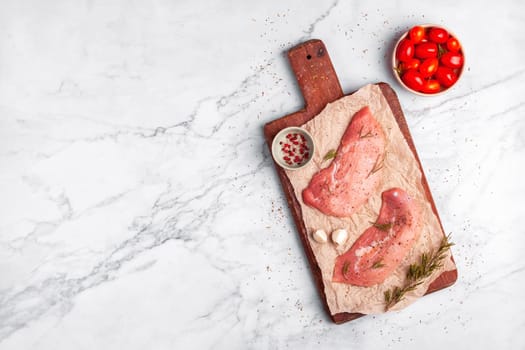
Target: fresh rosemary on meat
pixel 383 227
pixel 377 165
pixel 362 136
pixel 331 154
pixel 378 264
pixel 346 266
pixel 416 274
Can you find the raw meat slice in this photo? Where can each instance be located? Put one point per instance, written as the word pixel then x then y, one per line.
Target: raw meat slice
pixel 383 246
pixel 352 177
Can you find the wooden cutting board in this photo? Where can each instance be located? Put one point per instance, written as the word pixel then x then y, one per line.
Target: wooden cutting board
pixel 319 86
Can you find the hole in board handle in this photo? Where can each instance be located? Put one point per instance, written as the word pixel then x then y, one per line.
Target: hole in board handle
pixel 308 57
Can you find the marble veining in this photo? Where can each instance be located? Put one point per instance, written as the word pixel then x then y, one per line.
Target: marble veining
pixel 139 205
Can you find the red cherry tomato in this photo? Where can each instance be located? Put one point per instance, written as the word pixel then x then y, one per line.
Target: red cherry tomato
pixel 426 50
pixel 416 34
pixel 453 44
pixel 431 86
pixel 412 63
pixel 452 59
pixel 428 67
pixel 405 50
pixel 413 79
pixel 438 35
pixel 446 76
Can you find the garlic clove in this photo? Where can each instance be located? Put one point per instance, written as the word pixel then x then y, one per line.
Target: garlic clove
pixel 340 236
pixel 320 236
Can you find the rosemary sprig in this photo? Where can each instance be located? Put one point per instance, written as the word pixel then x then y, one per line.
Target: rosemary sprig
pixel 346 266
pixel 429 262
pixel 397 294
pixel 368 134
pixel 416 274
pixel 383 227
pixel 331 154
pixel 378 264
pixel 377 165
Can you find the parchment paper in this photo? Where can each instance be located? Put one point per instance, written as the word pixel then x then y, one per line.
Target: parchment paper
pixel 400 170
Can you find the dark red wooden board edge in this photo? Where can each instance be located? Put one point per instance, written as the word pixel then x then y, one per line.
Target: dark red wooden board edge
pixel 319 85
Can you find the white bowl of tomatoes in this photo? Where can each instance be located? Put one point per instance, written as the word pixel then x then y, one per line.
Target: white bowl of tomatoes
pixel 428 60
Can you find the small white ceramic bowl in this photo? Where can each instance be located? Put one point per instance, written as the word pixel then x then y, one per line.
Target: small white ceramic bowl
pixel 395 62
pixel 278 141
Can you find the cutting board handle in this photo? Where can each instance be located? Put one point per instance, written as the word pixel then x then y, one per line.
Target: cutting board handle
pixel 315 74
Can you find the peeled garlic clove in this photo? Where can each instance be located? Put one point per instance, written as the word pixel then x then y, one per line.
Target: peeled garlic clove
pixel 320 236
pixel 340 236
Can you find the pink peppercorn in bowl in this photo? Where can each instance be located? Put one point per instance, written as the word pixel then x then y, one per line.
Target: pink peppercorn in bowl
pixel 293 148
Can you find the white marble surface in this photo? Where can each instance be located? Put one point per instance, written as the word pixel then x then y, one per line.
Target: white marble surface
pixel 139 206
